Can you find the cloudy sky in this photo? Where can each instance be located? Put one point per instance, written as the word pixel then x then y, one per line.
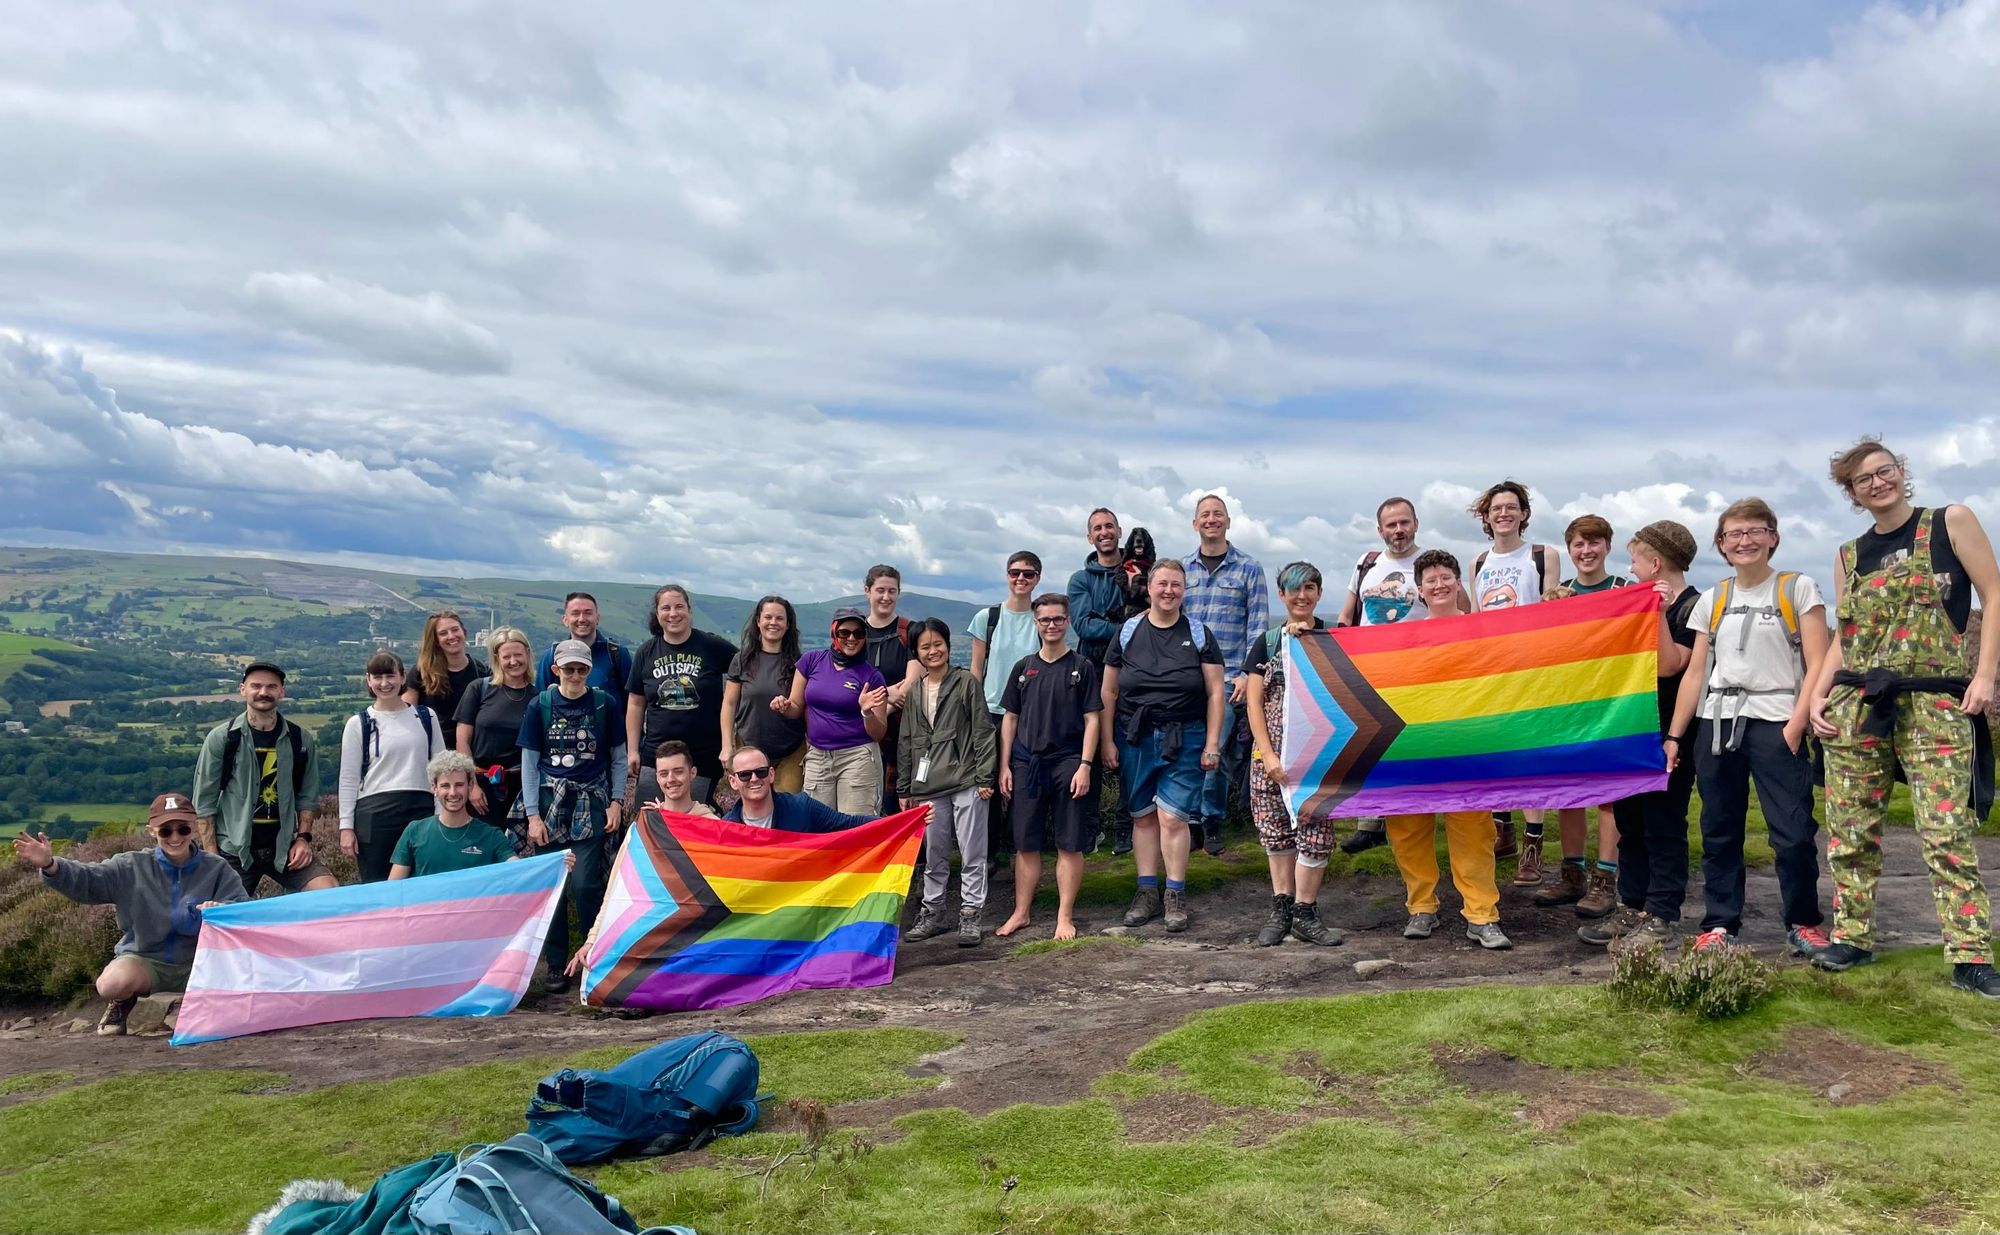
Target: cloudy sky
pixel 752 296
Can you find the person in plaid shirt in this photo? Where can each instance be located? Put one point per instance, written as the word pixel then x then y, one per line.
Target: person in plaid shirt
pixel 1226 592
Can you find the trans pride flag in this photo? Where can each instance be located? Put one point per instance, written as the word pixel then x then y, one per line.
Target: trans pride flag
pixel 1547 706
pixel 704 913
pixel 463 943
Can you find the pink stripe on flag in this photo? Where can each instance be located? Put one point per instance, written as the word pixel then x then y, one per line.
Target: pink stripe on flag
pixel 445 923
pixel 223 1014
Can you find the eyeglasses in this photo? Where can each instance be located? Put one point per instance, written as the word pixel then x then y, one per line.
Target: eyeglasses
pixel 1024 574
pixel 1744 535
pixel 1886 474
pixel 752 774
pixel 572 668
pixel 1058 620
pixel 173 829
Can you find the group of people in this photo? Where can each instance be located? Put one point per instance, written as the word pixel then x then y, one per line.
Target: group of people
pixel 1167 675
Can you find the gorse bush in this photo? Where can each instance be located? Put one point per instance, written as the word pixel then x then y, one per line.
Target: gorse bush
pixel 1717 983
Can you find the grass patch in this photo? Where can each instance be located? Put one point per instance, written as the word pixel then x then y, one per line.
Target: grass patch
pixel 17 649
pixel 1037 947
pixel 34 1082
pixel 94 812
pixel 78 1143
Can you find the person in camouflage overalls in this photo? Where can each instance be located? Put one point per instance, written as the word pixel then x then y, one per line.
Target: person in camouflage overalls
pixel 1900 690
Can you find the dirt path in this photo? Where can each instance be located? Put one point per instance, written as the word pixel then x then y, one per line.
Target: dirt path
pixel 1093 1005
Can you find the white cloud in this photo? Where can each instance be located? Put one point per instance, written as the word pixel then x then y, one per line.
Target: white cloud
pixel 426 331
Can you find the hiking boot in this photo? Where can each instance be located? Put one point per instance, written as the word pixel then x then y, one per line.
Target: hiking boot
pixel 1488 935
pixel 1807 941
pixel 112 1023
pixel 1174 915
pixel 969 934
pixel 556 984
pixel 1420 926
pixel 1616 925
pixel 1980 979
pixel 1569 886
pixel 1363 840
pixel 1714 939
pixel 930 924
pixel 1528 871
pixel 1121 838
pixel 1654 929
pixel 1504 844
pixel 1279 924
pixel 1145 907
pixel 1601 897
pixel 1211 839
pixel 1841 957
pixel 1307 928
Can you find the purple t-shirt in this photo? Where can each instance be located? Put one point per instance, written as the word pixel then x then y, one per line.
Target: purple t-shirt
pixel 833 700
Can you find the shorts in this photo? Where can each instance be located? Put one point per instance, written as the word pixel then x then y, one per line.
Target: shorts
pixel 1152 784
pixel 165 977
pixel 266 864
pixel 1041 792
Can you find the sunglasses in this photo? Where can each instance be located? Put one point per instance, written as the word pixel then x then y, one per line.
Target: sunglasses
pixel 753 774
pixel 1024 574
pixel 173 829
pixel 847 634
pixel 572 668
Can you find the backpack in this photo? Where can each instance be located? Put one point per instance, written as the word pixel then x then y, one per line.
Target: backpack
pixel 1786 612
pixel 597 701
pixel 371 734
pixel 1131 627
pixel 1537 552
pixel 232 745
pixel 675 1095
pixel 517 1188
pixel 1361 568
pixel 989 618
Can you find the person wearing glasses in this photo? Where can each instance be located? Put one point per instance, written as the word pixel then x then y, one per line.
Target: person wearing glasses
pixel 1759 639
pixel 1001 636
pixel 845 704
pixel 1902 688
pixel 159 895
pixel 760 806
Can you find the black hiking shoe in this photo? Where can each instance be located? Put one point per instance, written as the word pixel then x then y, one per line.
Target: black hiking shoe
pixel 1840 957
pixel 1145 907
pixel 1363 840
pixel 1279 924
pixel 1981 980
pixel 1211 838
pixel 1307 928
pixel 112 1023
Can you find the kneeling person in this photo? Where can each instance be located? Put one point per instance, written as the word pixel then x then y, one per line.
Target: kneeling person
pixel 1052 707
pixel 451 840
pixel 159 894
pixel 1468 833
pixel 673 770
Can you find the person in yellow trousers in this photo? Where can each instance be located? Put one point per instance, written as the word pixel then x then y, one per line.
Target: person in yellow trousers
pixel 1468 833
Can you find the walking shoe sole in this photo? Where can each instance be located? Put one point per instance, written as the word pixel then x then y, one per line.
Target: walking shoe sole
pixel 1820 962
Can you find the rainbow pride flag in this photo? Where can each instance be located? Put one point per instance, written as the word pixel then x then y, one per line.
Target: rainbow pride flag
pixel 1547 706
pixel 462 943
pixel 704 913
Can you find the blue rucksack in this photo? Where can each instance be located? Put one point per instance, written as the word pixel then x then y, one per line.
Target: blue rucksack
pixel 518 1188
pixel 679 1094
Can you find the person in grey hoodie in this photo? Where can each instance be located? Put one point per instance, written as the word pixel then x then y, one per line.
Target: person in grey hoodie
pixel 947 757
pixel 159 894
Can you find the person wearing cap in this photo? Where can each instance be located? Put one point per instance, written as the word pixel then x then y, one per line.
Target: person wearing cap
pixel 256 783
pixel 573 775
pixel 845 702
pixel 1653 827
pixel 158 893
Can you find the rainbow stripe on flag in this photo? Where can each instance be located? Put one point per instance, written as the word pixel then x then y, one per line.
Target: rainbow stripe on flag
pixel 463 943
pixel 1547 706
pixel 704 913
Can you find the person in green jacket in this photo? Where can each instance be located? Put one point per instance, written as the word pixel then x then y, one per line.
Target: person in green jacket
pixel 947 757
pixel 256 783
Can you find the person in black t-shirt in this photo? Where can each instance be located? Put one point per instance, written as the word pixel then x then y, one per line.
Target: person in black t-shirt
pixel 674 693
pixel 762 671
pixel 1653 827
pixel 890 648
pixel 444 668
pixel 487 727
pixel 1048 745
pixel 1163 688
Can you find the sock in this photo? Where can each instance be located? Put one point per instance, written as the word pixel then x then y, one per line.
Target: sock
pixel 1533 831
pixel 1609 868
pixel 1569 861
pixel 1149 881
pixel 1176 885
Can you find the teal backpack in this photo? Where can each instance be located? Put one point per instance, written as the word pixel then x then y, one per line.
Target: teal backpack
pixel 518 1187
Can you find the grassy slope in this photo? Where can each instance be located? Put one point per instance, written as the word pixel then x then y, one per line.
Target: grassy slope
pixel 1391 1142
pixel 17 649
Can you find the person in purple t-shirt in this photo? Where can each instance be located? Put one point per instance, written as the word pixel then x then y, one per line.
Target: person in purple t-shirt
pixel 846 706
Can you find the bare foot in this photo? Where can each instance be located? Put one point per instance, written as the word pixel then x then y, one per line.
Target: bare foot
pixel 1065 929
pixel 1011 925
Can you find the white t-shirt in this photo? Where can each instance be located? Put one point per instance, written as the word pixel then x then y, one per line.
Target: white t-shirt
pixel 1766 660
pixel 1013 637
pixel 1507 580
pixel 1388 592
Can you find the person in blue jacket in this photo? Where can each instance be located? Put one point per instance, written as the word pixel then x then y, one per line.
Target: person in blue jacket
pixel 762 807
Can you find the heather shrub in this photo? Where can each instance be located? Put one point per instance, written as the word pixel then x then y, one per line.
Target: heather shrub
pixel 51 947
pixel 1717 983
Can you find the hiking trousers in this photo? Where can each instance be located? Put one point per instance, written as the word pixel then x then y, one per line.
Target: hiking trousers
pixel 1468 841
pixel 1653 846
pixel 1785 790
pixel 848 780
pixel 956 817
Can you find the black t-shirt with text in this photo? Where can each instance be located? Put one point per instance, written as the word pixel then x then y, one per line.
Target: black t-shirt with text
pixel 494 712
pixel 682 686
pixel 1160 671
pixel 1050 700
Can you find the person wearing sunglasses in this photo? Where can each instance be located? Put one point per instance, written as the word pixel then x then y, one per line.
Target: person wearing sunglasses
pixel 1002 636
pixel 159 895
pixel 758 805
pixel 845 704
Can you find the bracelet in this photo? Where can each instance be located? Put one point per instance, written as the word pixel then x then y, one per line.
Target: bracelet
pixel 1675 738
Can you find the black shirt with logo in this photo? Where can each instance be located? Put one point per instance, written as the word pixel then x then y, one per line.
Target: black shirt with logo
pixel 682 686
pixel 1160 671
pixel 1050 701
pixel 264 816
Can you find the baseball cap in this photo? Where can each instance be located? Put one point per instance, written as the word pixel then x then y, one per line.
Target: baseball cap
pixel 265 666
pixel 572 652
pixel 170 808
pixel 848 613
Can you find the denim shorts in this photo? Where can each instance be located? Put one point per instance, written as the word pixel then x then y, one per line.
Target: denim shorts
pixel 1152 783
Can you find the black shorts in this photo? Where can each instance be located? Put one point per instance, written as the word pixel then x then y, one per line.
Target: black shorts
pixel 267 864
pixel 1043 805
